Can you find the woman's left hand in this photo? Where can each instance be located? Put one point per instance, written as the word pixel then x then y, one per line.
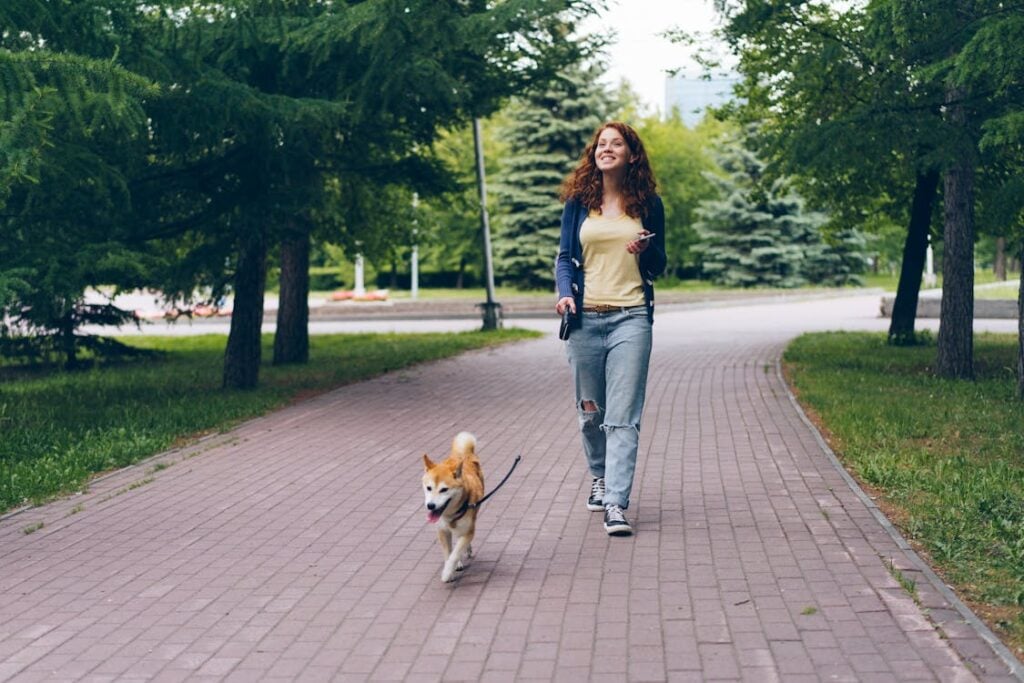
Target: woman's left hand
pixel 638 246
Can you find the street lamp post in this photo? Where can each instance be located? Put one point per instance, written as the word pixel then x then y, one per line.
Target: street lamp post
pixel 491 308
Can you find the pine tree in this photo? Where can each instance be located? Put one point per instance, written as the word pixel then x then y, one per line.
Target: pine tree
pixel 71 120
pixel 548 129
pixel 296 102
pixel 838 261
pixel 263 111
pixel 757 233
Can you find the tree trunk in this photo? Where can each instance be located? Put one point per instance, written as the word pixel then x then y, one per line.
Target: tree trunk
pixel 394 275
pixel 956 321
pixel 1020 330
pixel 291 340
pixel 68 343
pixel 904 310
pixel 460 279
pixel 242 355
pixel 999 266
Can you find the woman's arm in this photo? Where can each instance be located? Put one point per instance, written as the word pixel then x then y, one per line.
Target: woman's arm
pixel 564 268
pixel 653 258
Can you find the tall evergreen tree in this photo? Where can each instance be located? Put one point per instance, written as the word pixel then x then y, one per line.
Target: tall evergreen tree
pixel 837 260
pixel 269 108
pixel 547 130
pixel 71 127
pixel 757 233
pixel 284 99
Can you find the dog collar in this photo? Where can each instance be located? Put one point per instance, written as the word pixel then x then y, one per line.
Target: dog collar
pixel 463 509
pixel 466 505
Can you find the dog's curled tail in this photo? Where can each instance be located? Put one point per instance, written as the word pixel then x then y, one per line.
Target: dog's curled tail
pixel 464 444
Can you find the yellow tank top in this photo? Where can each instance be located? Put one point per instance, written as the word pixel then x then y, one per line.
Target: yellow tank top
pixel 612 273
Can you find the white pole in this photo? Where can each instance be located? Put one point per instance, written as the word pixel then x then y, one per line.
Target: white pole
pixel 360 288
pixel 929 268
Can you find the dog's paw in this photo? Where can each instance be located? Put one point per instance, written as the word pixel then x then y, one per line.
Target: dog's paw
pixel 447 574
pixel 460 567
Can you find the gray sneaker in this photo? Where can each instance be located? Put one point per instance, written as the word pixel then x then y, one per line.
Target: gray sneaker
pixel 615 521
pixel 596 501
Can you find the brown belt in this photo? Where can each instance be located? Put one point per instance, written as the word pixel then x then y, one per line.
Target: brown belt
pixel 605 308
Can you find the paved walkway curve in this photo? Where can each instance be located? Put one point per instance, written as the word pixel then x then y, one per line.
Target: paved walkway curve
pixel 295 547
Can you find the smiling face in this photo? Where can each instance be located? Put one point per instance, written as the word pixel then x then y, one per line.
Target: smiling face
pixel 611 153
pixel 441 484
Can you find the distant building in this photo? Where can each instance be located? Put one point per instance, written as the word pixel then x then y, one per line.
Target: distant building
pixel 692 96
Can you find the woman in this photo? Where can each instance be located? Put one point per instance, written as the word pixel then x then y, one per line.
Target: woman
pixel 612 247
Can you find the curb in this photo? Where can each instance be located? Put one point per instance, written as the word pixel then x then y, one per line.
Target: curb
pixel 931 307
pixel 520 309
pixel 1016 668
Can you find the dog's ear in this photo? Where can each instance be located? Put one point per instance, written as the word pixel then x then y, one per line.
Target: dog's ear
pixel 458 470
pixel 427 462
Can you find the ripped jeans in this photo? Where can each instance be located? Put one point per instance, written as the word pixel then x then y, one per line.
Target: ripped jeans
pixel 609 355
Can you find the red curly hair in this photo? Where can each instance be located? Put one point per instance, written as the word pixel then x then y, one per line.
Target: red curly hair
pixel 585 183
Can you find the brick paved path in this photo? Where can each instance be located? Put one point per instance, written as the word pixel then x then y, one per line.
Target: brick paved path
pixel 295 547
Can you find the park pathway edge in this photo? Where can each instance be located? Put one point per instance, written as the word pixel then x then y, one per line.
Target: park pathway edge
pixel 938 610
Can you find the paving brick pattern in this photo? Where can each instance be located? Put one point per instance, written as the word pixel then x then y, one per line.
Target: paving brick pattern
pixel 295 547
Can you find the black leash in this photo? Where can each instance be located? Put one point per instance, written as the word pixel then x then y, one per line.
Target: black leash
pixel 500 484
pixel 466 507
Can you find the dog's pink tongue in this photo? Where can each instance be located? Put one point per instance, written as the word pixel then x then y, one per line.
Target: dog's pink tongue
pixel 433 516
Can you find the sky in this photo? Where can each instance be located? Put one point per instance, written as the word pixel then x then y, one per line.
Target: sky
pixel 639 54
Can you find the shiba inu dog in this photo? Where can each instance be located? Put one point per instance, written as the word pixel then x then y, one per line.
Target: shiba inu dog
pixel 452 488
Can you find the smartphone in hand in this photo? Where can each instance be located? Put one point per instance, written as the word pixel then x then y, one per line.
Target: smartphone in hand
pixel 565 329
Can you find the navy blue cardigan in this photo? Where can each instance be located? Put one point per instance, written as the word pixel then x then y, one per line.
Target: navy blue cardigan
pixel 569 265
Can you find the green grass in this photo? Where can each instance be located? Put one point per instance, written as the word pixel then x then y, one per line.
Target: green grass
pixel 908 584
pixel 887 281
pixel 57 429
pixel 1006 291
pixel 945 457
pixel 890 281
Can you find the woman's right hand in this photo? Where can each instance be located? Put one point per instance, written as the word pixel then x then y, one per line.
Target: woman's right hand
pixel 564 303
